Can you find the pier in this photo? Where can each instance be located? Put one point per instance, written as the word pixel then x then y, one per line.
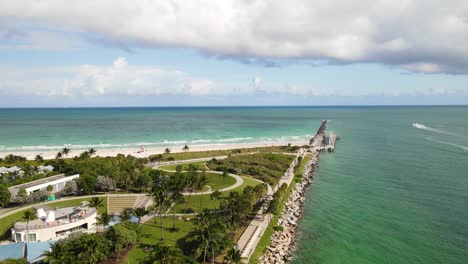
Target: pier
pixel 254 232
pixel 320 141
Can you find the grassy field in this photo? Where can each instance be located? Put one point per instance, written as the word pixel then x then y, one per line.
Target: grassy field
pixel 213 153
pixel 215 180
pixel 185 166
pixel 267 167
pixel 151 231
pixel 303 163
pixel 7 223
pixel 198 202
pixel 151 235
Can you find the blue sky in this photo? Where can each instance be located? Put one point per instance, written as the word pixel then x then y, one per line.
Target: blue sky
pixel 55 54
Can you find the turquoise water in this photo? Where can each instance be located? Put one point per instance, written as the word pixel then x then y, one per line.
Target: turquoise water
pixel 44 129
pixel 393 192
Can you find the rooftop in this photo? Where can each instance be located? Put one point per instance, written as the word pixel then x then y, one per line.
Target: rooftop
pixel 38 182
pixel 62 216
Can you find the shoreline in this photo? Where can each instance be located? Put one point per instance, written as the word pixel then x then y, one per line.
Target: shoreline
pixel 283 243
pixel 112 152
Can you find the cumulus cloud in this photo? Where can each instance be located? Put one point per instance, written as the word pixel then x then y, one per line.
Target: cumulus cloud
pixel 418 35
pixel 120 78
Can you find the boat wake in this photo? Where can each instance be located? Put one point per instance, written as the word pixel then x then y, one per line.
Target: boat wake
pixel 435 130
pixel 465 148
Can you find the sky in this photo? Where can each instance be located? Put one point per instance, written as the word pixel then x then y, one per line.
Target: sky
pixel 57 53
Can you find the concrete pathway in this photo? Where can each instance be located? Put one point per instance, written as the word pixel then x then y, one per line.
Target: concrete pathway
pixel 254 232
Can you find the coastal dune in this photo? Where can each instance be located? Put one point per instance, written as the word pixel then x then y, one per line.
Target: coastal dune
pixel 50 154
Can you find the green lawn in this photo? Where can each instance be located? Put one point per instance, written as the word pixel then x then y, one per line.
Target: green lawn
pixel 7 223
pixel 151 235
pixel 215 180
pixel 198 202
pixel 267 167
pixel 185 166
pixel 213 153
pixel 303 163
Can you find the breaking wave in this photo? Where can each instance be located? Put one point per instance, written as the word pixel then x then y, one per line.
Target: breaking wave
pixel 164 143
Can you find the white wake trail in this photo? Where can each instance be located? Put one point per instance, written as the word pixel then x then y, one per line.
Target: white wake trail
pixel 435 130
pixel 465 148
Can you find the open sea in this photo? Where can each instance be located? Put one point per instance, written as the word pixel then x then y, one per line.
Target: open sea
pixel 394 191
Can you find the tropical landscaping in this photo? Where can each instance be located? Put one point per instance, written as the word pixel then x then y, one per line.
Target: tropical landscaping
pixel 191 220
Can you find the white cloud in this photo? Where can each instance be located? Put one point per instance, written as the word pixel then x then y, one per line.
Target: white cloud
pixel 120 78
pixel 393 32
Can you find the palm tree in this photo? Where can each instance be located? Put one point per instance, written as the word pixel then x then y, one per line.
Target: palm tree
pixel 164 254
pixel 49 189
pixel 203 230
pixel 125 215
pixel 215 196
pixel 104 219
pixel 92 151
pixel 39 158
pixel 65 151
pixel 95 202
pixel 167 151
pixel 28 216
pixel 176 197
pixel 185 148
pixel 160 201
pixel 233 256
pixel 139 212
pixel 59 155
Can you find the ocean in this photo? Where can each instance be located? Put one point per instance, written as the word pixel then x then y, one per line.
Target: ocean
pixel 394 191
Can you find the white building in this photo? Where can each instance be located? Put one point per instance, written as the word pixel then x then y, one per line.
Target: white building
pixel 56 224
pixel 57 182
pixel 45 169
pixel 14 169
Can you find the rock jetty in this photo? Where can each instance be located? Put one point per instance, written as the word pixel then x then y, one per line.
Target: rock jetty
pixel 283 243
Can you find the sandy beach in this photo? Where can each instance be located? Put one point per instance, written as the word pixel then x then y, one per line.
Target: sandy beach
pixel 50 154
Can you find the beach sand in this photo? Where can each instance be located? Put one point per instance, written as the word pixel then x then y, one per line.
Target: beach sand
pixel 50 154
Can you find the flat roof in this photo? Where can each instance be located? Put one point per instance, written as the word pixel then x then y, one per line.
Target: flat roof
pixel 41 181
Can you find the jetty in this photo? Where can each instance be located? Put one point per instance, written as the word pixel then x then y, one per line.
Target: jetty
pixel 321 142
pixel 282 242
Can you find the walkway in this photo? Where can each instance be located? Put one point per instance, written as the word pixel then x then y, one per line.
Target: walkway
pixel 253 233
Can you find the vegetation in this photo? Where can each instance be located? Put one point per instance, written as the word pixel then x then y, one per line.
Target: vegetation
pixel 5 195
pixel 213 153
pixel 14 261
pixel 184 166
pixel 267 167
pixel 93 248
pixel 281 197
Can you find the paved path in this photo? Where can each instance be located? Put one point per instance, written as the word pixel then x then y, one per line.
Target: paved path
pixel 253 233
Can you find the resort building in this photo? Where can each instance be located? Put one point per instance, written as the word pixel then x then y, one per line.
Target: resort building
pixel 57 182
pixel 55 224
pixel 14 169
pixel 45 169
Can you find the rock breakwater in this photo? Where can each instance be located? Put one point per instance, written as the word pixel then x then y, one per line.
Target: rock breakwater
pixel 283 243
